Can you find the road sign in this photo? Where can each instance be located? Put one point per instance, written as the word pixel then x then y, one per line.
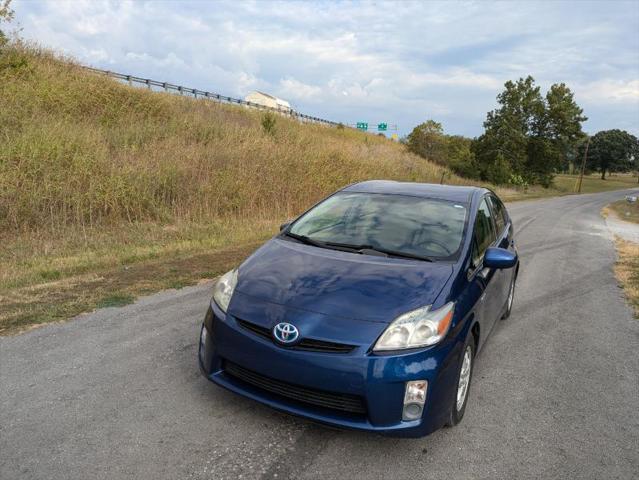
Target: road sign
pixel 382 127
pixel 395 137
pixel 362 125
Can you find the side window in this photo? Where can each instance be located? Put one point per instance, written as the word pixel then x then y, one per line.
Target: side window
pixel 483 232
pixel 499 214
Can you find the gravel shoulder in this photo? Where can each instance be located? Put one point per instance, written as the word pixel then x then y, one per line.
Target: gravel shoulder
pixel 624 229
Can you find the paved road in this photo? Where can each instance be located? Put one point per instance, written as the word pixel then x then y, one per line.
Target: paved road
pixel 117 394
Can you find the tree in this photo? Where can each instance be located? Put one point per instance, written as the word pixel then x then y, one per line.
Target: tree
pixel 428 141
pixel 563 122
pixel 460 157
pixel 6 15
pixel 503 148
pixel 529 135
pixel 612 151
pixel 635 157
pixel 492 164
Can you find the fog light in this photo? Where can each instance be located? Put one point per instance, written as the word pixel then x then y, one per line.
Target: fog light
pixel 412 411
pixel 414 399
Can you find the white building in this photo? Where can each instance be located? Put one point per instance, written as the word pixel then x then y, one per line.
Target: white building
pixel 267 100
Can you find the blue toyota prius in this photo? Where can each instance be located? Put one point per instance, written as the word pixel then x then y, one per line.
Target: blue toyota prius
pixel 367 311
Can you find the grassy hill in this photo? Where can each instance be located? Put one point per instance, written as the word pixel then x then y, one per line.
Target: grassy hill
pixel 81 149
pixel 109 191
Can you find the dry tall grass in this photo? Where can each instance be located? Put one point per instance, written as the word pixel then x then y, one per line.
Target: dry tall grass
pixel 627 271
pixel 79 149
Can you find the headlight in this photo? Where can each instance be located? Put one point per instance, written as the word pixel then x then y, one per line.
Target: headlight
pixel 223 289
pixel 418 328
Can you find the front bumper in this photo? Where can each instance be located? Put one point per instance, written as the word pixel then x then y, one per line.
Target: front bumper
pixel 379 380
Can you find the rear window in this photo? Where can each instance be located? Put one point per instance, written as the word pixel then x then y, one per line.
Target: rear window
pixel 499 214
pixel 414 225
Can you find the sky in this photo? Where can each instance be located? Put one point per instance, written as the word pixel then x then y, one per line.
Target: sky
pixel 399 62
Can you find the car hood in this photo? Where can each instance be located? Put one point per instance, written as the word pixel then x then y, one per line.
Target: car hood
pixel 340 284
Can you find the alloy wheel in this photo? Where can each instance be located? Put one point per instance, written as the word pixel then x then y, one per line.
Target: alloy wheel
pixel 511 295
pixel 464 378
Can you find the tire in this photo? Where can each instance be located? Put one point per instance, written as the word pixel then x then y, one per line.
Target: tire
pixel 458 408
pixel 511 298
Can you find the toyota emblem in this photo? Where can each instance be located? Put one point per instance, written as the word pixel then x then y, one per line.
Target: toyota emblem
pixel 285 332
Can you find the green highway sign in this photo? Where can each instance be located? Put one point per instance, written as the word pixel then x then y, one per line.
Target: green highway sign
pixel 382 126
pixel 362 125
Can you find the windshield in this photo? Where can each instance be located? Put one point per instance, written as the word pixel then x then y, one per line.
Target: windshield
pixel 413 225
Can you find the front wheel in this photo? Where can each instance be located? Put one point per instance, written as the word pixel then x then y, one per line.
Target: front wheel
pixel 463 383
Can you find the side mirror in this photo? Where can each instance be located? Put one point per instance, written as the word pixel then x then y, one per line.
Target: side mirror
pixel 499 258
pixel 285 225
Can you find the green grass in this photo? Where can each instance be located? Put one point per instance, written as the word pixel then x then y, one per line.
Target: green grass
pixel 179 283
pixel 115 300
pixel 48 275
pixel 594 183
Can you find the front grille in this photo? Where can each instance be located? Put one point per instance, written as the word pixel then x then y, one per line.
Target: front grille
pixel 312 345
pixel 256 329
pixel 306 344
pixel 334 401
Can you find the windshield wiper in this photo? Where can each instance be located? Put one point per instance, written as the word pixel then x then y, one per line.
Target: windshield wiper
pixel 390 253
pixel 305 239
pixel 347 247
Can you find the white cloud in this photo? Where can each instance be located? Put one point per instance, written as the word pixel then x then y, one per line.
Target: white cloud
pixel 293 88
pixel 607 91
pixel 401 62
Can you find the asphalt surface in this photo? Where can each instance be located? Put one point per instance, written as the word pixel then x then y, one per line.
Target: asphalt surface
pixel 117 393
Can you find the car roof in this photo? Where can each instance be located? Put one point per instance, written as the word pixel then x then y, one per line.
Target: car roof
pixel 462 194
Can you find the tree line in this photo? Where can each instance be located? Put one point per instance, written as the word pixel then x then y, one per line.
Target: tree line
pixel 527 139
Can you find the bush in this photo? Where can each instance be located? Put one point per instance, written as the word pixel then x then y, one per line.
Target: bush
pixel 460 158
pixel 268 123
pixel 497 170
pixel 517 180
pixel 428 140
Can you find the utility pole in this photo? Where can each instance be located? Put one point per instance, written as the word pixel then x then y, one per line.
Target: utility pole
pixel 583 166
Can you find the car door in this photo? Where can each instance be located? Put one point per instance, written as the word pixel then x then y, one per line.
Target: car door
pixel 485 278
pixel 504 239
